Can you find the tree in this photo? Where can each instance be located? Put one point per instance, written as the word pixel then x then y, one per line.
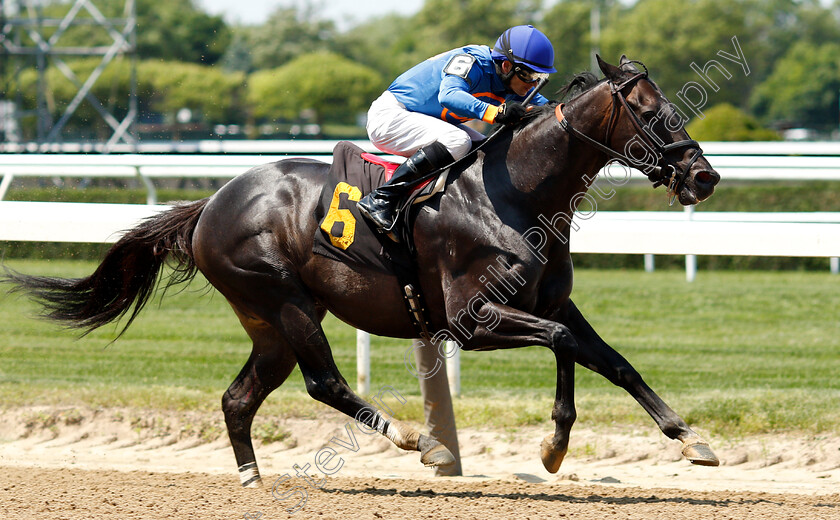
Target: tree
pixel 774 26
pixel 670 35
pixel 288 33
pixel 375 45
pixel 237 57
pixel 803 88
pixel 177 30
pixel 725 122
pixel 163 87
pixel 213 95
pixel 463 22
pixel 445 24
pixel 171 30
pixel 332 86
pixel 567 25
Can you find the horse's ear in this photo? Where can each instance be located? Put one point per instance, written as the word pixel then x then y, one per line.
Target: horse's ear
pixel 612 72
pixel 627 65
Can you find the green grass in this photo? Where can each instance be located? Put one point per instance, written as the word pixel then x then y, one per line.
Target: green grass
pixel 734 353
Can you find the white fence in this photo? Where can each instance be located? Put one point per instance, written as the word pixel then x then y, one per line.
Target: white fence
pixel 734 161
pixel 149 167
pixel 615 232
pixel 311 146
pixel 689 233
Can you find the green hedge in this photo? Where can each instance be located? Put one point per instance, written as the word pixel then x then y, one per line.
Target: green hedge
pixel 752 197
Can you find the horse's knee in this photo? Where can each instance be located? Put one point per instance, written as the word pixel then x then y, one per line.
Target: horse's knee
pixel 562 340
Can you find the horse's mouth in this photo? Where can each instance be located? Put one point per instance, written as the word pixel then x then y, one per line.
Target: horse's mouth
pixel 687 197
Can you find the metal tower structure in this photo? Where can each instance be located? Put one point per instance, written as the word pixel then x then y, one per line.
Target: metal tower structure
pixel 31 39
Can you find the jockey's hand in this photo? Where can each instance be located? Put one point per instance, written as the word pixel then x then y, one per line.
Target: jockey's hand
pixel 510 113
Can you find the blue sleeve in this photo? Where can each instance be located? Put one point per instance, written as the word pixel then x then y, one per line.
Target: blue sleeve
pixel 539 99
pixel 455 96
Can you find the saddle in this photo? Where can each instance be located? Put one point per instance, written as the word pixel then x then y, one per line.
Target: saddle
pixel 419 194
pixel 343 234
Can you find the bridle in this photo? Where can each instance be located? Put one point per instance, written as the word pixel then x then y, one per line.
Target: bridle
pixel 658 172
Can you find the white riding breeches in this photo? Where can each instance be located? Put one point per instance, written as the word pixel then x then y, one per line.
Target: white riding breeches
pixel 395 130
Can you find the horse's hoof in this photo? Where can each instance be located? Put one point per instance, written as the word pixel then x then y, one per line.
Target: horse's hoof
pixel 701 454
pixel 254 484
pixel 249 475
pixel 438 455
pixel 551 457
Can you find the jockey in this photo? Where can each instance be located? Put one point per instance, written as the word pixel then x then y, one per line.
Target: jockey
pixel 421 115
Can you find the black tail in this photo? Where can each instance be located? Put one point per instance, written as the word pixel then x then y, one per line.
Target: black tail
pixel 127 276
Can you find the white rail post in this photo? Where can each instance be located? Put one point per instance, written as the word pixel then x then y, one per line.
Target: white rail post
pixel 690 260
pixel 453 368
pixel 362 362
pixel 650 263
pixel 5 183
pixel 690 268
pixel 151 191
pixel 834 262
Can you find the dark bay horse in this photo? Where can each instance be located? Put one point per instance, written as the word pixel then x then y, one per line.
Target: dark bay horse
pixel 253 241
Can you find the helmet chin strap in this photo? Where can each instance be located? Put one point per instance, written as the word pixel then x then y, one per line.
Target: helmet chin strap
pixel 505 77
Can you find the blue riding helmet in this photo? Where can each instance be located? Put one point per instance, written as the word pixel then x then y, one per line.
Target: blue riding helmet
pixel 526 46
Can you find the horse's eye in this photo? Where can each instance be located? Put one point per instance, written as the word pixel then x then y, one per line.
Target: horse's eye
pixel 648 115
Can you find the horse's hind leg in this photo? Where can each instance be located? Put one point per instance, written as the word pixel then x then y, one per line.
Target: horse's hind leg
pixel 595 354
pixel 324 383
pixel 270 363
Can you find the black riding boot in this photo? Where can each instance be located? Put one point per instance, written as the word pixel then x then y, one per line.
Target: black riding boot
pixel 380 206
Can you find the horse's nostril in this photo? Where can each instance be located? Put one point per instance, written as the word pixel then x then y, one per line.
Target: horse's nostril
pixel 707 177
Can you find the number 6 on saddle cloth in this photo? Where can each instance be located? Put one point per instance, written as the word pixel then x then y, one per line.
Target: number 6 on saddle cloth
pixel 343 234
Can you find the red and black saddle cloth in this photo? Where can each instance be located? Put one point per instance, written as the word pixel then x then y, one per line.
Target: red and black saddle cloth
pixel 343 234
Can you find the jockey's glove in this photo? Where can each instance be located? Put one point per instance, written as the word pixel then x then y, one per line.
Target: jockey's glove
pixel 510 113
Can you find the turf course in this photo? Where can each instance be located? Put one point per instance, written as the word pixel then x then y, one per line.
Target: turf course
pixel 734 353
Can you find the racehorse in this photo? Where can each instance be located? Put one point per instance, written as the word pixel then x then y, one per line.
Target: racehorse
pixel 253 241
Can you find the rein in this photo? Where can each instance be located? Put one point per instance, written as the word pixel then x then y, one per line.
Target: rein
pixel 675 179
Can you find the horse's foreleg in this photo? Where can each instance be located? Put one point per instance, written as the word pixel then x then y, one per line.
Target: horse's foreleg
pixel 504 327
pixel 270 363
pixel 595 354
pixel 554 447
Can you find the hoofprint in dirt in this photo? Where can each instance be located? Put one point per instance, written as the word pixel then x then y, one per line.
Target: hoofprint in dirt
pixel 186 442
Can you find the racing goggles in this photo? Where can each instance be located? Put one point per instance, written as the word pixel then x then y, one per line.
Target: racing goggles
pixel 527 75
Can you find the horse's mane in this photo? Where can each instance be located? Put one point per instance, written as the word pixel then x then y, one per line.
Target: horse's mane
pixel 580 83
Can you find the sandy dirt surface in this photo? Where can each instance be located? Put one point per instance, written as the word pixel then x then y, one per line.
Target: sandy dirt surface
pixel 90 464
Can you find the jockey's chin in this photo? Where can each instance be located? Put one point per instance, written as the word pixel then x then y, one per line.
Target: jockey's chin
pixel 520 87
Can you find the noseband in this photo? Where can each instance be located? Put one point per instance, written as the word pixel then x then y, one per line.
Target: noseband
pixel 658 173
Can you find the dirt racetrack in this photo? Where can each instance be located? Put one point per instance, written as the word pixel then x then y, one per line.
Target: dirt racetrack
pixel 84 494
pixel 91 464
